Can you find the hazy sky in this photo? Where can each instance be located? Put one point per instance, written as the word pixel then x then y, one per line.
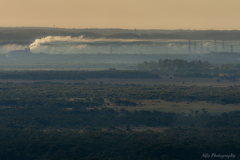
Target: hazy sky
pixel 140 14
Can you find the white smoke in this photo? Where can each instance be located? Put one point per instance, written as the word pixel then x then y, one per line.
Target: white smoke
pixel 68 44
pixel 50 39
pixel 81 39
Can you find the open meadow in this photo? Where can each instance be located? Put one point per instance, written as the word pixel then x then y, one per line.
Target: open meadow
pixel 149 82
pixel 180 107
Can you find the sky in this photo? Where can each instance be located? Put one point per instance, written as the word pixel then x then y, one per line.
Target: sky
pixel 127 14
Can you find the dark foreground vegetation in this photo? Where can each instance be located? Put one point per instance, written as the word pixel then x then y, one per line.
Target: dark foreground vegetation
pixel 56 117
pixel 173 144
pixel 53 132
pixel 56 121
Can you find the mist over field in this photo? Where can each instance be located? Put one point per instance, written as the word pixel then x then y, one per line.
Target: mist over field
pixel 78 45
pixel 28 46
pixel 92 41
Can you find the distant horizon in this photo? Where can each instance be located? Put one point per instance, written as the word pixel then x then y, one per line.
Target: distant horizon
pixel 212 29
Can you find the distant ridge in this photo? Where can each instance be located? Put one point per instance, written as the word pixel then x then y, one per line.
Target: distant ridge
pixel 31 33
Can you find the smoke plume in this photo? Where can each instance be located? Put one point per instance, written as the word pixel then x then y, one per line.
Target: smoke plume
pixel 50 39
pixel 81 39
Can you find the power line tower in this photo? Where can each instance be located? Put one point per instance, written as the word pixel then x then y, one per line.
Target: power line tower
pixel 189 46
pixel 201 47
pixel 215 48
pixel 231 47
pixel 223 46
pixel 195 46
pixel 54 34
pixel 110 49
pixel 208 47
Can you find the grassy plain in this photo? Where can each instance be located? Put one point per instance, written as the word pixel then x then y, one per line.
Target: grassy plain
pixel 162 81
pixel 156 105
pixel 180 107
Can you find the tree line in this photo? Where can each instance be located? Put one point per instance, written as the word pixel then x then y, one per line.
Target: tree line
pixel 178 65
pixel 194 68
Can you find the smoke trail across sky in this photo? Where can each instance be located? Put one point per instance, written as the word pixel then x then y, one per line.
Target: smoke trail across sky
pixel 50 39
pixel 68 44
pixel 81 39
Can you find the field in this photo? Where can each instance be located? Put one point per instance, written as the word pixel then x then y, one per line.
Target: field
pixel 162 81
pixel 180 107
pixel 157 105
